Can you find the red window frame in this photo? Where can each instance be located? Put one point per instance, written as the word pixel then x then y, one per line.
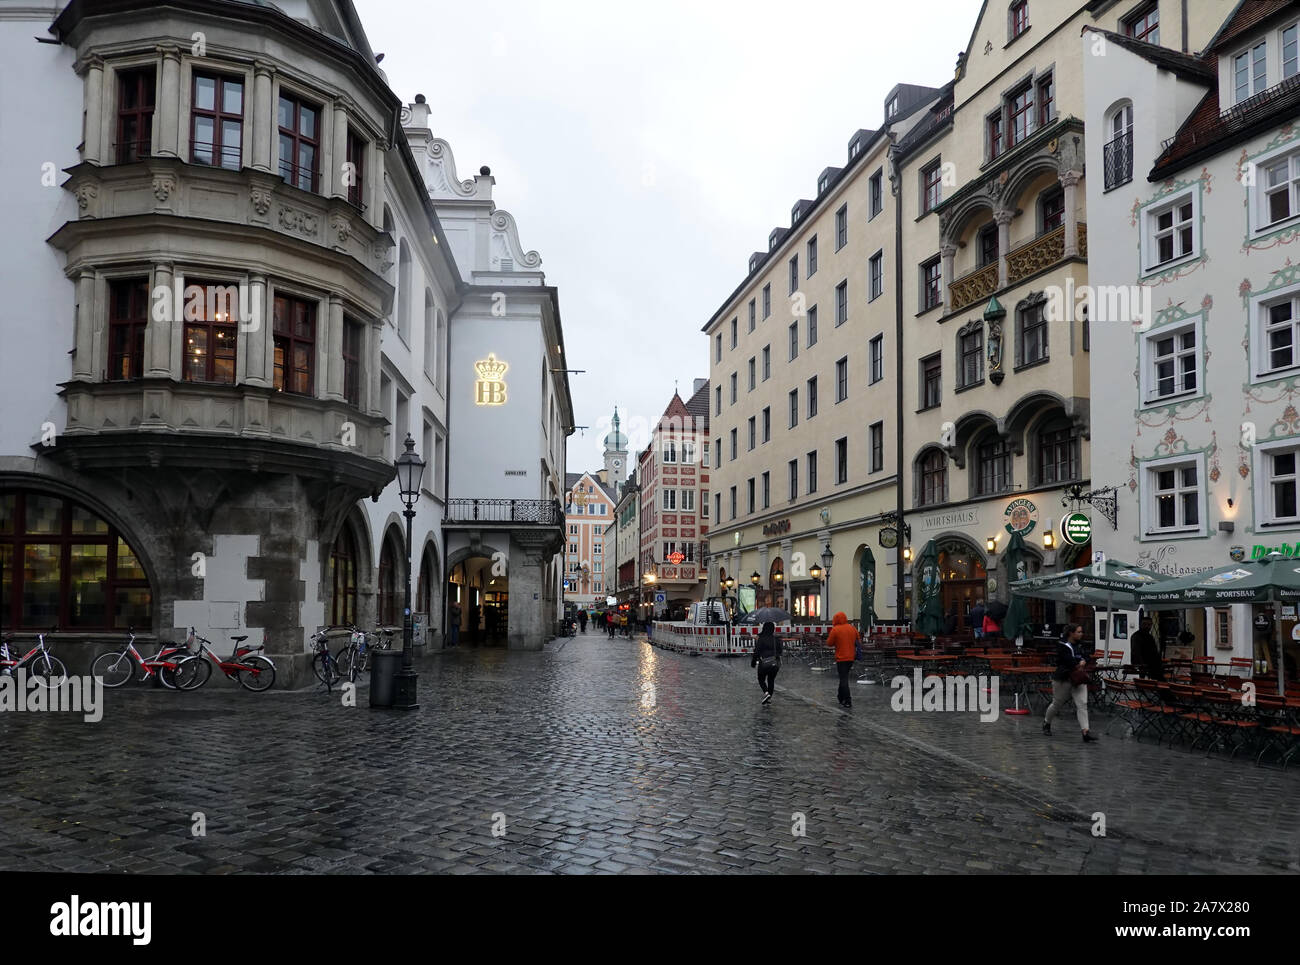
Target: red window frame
pixel 1046 100
pixel 136 94
pixel 128 317
pixel 219 154
pixel 1053 211
pixel 933 178
pixel 1019 18
pixel 357 158
pixel 1020 115
pixel 293 135
pixel 995 134
pixel 295 345
pixel 353 339
pixel 1144 23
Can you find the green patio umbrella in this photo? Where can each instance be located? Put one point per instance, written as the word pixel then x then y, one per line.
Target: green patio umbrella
pixel 867 585
pixel 1273 579
pixel 929 610
pixel 1016 622
pixel 1109 584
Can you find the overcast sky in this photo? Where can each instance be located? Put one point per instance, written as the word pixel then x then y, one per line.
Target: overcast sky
pixel 646 150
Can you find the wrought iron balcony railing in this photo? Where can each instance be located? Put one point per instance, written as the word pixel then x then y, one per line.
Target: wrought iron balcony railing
pixel 1117 160
pixel 538 512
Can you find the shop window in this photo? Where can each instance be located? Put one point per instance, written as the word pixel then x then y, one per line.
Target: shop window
pixel 63 565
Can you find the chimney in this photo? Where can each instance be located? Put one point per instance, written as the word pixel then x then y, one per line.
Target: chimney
pixel 699 384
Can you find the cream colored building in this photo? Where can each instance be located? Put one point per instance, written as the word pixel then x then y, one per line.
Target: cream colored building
pixel 982 219
pixel 804 388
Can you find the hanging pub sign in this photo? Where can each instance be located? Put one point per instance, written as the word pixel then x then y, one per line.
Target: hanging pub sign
pixel 1076 528
pixel 888 537
pixel 490 386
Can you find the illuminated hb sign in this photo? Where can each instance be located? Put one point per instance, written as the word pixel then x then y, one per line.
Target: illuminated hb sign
pixel 490 387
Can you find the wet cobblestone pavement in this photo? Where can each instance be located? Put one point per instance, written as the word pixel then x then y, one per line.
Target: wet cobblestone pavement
pixel 609 756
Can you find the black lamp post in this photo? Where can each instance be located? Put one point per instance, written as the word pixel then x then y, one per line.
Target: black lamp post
pixel 410 469
pixel 828 559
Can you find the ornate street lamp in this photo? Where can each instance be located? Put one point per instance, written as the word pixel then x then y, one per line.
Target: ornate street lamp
pixel 828 559
pixel 755 578
pixel 410 470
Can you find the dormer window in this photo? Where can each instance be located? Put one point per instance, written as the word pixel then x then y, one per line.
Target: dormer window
pixel 823 184
pixel 854 148
pixel 1249 72
pixel 891 108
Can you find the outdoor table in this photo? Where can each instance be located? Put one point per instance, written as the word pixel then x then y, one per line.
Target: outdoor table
pixel 1025 676
pixel 924 658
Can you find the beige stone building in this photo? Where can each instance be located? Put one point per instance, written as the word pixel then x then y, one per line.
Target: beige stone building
pixel 976 390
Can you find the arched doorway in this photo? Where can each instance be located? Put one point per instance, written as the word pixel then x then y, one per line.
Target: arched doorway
pixel 343 579
pixel 965 579
pixel 478 588
pixel 62 564
pixel 427 600
pixel 390 587
pixel 774 595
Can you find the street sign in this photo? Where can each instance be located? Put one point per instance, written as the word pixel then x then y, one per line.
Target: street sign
pixel 1076 528
pixel 660 598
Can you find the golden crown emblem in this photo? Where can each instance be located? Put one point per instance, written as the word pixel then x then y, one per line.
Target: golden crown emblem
pixel 490 369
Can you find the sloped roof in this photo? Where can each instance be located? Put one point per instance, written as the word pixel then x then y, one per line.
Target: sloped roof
pixel 1186 66
pixel 698 406
pixel 1247 15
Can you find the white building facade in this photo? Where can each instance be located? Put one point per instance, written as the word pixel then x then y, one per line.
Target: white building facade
pixel 1197 292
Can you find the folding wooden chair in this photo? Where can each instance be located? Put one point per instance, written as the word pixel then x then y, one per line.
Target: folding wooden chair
pixel 1278 730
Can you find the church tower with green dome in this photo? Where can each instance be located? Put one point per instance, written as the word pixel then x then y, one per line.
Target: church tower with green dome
pixel 615 456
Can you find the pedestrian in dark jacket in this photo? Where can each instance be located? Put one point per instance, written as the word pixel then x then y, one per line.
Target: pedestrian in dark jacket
pixel 767 658
pixel 976 619
pixel 1070 662
pixel 1146 652
pixel 582 620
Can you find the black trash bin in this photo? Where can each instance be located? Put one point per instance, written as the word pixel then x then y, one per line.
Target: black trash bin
pixel 384 666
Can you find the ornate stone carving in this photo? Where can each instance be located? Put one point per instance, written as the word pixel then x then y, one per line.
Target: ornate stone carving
pixel 974 287
pixel 504 222
pixel 163 186
pixel 1038 254
pixel 261 198
pixel 342 227
pixel 294 220
pixel 86 193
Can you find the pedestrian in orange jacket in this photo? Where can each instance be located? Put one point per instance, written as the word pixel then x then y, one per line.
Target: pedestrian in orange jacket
pixel 844 638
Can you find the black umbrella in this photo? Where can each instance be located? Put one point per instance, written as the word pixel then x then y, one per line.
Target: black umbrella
pixel 996 609
pixel 766 614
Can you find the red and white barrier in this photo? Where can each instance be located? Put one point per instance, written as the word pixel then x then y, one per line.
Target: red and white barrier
pixel 715 640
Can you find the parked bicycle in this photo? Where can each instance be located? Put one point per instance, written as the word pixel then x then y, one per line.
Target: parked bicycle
pixel 323 664
pixel 354 658
pixel 248 665
pixel 44 668
pixel 117 667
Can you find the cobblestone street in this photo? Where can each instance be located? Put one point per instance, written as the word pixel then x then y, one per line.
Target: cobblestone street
pixel 609 756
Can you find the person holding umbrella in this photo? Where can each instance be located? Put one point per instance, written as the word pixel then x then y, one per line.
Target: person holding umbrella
pixel 1070 681
pixel 767 658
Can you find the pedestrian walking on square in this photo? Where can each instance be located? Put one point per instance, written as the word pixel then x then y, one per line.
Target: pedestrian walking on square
pixel 767 658
pixel 609 623
pixel 453 617
pixel 1070 681
pixel 844 638
pixel 582 620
